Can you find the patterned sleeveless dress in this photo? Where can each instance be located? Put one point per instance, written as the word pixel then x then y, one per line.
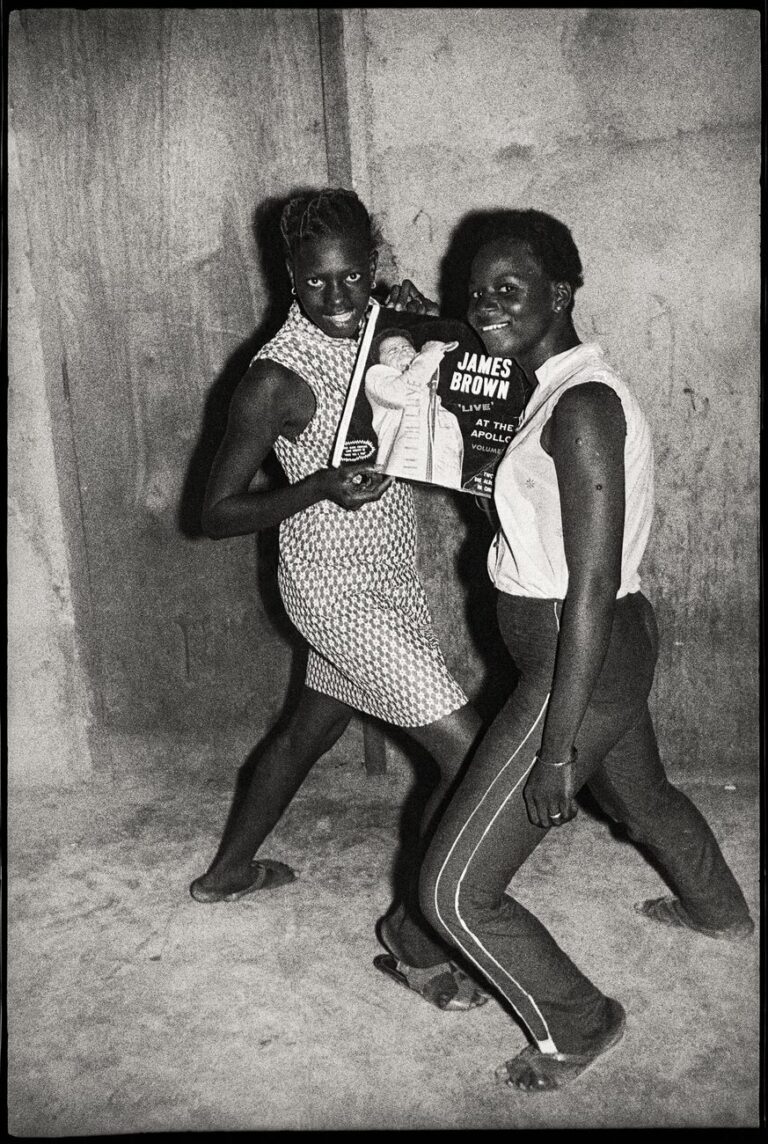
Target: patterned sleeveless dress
pixel 348 578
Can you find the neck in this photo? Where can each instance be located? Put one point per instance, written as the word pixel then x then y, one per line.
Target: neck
pixel 555 342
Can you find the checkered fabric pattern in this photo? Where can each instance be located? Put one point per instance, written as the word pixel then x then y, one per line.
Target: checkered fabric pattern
pixel 348 579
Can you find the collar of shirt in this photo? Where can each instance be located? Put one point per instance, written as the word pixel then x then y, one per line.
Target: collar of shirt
pixel 561 366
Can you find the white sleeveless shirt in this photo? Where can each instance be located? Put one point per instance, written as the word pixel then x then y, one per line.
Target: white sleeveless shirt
pixel 527 557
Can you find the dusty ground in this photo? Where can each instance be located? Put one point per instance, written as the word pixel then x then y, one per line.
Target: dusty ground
pixel 133 1009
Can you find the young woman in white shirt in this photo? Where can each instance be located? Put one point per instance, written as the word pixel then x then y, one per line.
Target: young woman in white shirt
pixel 574 497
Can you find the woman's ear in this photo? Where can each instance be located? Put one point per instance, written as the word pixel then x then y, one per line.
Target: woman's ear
pixel 373 263
pixel 561 296
pixel 289 268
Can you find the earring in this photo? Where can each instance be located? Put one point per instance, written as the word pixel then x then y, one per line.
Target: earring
pixel 293 291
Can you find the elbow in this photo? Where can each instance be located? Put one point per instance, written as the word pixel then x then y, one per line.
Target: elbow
pixel 599 587
pixel 210 524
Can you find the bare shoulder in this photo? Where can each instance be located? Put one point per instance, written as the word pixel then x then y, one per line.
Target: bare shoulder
pixel 592 405
pixel 591 397
pixel 590 412
pixel 270 392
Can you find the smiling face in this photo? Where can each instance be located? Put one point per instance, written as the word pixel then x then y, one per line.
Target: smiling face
pixel 333 278
pixel 515 308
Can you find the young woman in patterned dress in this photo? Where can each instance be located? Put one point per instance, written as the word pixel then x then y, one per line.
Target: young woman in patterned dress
pixel 347 571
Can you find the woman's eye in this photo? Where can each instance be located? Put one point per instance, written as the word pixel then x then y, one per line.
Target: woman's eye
pixel 474 295
pixel 314 282
pixel 355 276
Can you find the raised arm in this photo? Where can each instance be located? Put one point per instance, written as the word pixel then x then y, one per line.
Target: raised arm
pixel 270 402
pixel 585 438
pixel 385 387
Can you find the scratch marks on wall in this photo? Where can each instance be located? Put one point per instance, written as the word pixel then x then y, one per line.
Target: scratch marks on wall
pixel 515 153
pixel 422 221
pixel 443 50
pixel 183 624
pixel 661 339
pixel 703 401
pixel 660 336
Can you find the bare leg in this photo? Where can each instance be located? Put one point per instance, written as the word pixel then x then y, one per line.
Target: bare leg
pixel 315 726
pixel 449 740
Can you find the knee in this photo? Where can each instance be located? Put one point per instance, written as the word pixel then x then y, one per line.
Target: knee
pixel 330 735
pixel 437 895
pixel 660 804
pixel 428 900
pixel 303 743
pixel 454 907
pixel 451 739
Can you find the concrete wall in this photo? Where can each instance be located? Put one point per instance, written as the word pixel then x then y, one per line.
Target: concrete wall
pixel 641 129
pixel 49 704
pixel 133 266
pixel 146 141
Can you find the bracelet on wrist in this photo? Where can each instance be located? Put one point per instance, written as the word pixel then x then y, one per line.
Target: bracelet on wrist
pixel 572 757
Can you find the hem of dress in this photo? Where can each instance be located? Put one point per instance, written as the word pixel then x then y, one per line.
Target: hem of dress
pixel 363 710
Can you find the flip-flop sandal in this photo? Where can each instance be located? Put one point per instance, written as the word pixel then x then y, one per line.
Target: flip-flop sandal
pixel 548 1071
pixel 671 912
pixel 445 986
pixel 268 876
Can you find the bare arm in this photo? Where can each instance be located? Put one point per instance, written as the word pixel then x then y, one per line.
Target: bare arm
pixel 270 402
pixel 586 441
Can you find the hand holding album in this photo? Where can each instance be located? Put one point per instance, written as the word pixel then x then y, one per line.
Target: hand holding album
pixel 425 403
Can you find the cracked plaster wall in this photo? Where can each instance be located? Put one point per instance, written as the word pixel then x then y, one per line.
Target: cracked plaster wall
pixel 49 709
pixel 640 128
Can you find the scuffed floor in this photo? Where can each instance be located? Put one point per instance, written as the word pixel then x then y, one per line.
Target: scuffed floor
pixel 132 1008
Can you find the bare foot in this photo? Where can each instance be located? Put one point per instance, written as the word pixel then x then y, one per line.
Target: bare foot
pixel 534 1071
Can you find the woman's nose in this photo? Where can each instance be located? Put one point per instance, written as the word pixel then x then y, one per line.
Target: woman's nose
pixel 338 295
pixel 485 304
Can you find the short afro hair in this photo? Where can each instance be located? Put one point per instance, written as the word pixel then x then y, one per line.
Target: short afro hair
pixel 549 240
pixel 390 332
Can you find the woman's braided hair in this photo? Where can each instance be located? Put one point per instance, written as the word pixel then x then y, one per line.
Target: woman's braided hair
pixel 316 214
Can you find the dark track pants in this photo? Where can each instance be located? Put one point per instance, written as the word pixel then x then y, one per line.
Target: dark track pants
pixel 485 835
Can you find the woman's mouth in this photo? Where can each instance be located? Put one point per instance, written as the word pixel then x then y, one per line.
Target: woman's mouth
pixel 495 326
pixel 341 319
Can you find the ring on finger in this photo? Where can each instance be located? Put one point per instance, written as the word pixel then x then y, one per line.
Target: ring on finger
pixel 554 816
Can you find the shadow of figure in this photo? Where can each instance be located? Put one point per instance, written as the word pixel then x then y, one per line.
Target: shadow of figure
pixel 268 240
pixel 271 257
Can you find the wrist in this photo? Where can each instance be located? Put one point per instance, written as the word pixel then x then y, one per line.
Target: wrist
pixel 317 485
pixel 561 759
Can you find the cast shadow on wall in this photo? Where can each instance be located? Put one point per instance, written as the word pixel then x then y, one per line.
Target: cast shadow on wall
pixel 269 249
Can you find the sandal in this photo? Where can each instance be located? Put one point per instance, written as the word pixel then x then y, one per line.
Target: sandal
pixel 268 875
pixel 534 1071
pixel 671 912
pixel 446 986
